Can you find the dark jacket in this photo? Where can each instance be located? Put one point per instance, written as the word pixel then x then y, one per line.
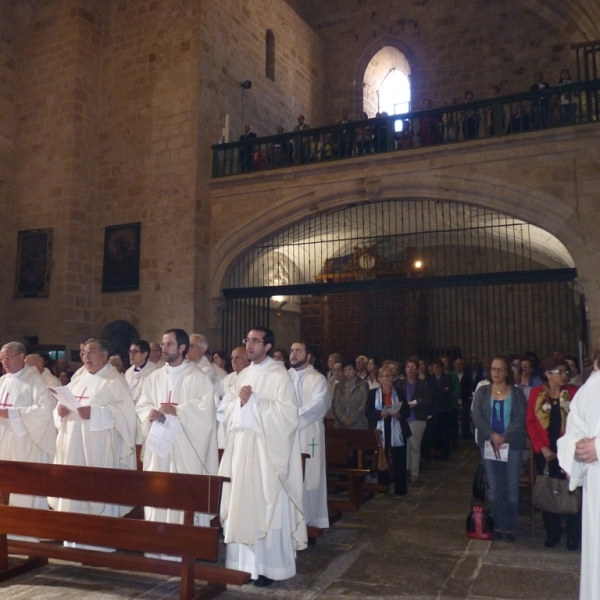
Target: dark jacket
pixel 374 415
pixel 443 388
pixel 516 432
pixel 422 395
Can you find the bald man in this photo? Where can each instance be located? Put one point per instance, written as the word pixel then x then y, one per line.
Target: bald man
pixel 36 361
pixel 227 388
pixel 156 355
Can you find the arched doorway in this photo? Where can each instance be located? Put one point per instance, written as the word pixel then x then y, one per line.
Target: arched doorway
pixel 398 277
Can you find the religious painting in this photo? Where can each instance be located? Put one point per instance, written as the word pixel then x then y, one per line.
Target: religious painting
pixel 121 266
pixel 34 255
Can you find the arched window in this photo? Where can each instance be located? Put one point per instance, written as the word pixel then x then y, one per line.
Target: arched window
pixel 386 85
pixel 394 93
pixel 270 55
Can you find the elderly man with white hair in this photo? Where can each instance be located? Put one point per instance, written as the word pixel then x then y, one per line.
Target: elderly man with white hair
pixel 101 432
pixel 27 433
pixel 35 360
pixel 197 354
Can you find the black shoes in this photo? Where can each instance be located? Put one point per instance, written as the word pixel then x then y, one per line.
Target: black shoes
pixel 509 536
pixel 571 545
pixel 263 581
pixel 551 541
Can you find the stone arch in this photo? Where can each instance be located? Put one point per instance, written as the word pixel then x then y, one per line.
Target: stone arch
pixel 537 208
pixel 363 64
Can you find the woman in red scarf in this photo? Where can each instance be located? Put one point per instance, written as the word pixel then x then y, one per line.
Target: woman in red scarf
pixel 547 412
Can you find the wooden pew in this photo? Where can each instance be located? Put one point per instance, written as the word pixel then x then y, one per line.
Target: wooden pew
pixel 189 493
pixel 364 446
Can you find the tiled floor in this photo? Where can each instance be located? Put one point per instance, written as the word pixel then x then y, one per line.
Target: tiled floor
pixel 414 549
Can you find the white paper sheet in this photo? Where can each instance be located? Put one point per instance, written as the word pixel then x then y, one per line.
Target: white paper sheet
pixel 394 409
pixel 162 435
pixel 65 396
pixel 490 454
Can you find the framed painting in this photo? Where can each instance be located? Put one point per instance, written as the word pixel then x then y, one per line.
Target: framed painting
pixel 34 256
pixel 121 264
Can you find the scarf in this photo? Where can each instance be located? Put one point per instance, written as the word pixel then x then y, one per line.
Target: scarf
pixel 506 405
pixel 543 404
pixel 395 428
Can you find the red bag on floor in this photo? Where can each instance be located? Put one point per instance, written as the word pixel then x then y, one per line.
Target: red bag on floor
pixel 480 525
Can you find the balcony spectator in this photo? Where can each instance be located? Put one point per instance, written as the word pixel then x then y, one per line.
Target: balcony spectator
pixel 404 138
pixel 380 134
pixel 246 153
pixel 344 138
pixel 470 119
pixel 305 141
pixel 540 107
pixel 568 100
pixel 430 126
pixel 316 148
pixel 364 136
pixel 283 149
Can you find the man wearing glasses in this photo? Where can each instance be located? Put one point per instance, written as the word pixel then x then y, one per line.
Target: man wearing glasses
pixel 101 432
pixel 183 394
pixel 27 432
pixel 262 507
pixel 141 367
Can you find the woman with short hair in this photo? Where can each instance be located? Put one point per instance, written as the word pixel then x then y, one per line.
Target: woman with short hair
pixel 387 411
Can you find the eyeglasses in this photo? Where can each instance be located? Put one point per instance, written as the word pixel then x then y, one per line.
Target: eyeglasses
pixel 252 341
pixel 9 356
pixel 167 344
pixel 134 352
pixel 560 372
pixel 497 369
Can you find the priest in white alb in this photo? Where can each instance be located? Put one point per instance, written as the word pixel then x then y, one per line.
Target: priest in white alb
pixel 36 361
pixel 101 432
pixel 27 431
pixel 197 356
pixel 183 392
pixel 227 389
pixel 262 508
pixel 141 367
pixel 578 453
pixel 314 402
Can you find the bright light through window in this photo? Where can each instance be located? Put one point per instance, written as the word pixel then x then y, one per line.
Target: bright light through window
pixel 394 95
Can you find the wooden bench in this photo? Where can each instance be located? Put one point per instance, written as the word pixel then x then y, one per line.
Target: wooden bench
pixel 364 446
pixel 188 493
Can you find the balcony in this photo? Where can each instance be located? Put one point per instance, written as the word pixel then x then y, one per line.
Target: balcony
pixel 496 117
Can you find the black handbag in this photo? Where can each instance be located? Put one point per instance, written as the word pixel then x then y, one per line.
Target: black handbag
pixel 552 495
pixel 479 483
pixel 480 525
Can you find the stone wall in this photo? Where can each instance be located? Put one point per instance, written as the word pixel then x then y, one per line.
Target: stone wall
pixel 452 46
pixel 7 126
pixel 52 184
pixel 118 103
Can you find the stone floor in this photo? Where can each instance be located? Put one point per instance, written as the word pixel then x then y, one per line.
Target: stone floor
pixel 414 548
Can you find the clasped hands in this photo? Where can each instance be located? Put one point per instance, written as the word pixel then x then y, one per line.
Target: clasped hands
pixel 245 393
pixel 85 412
pixel 165 409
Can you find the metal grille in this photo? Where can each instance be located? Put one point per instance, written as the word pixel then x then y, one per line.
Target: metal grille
pixel 241 314
pixel 393 278
pixel 386 239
